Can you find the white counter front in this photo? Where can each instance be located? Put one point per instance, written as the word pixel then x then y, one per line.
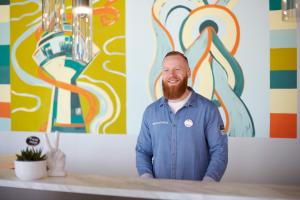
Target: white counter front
pixel 150 188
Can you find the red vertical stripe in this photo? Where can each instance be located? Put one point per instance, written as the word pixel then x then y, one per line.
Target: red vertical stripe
pixel 5 110
pixel 283 125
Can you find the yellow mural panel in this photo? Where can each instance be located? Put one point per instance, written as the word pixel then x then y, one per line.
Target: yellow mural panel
pixel 95 98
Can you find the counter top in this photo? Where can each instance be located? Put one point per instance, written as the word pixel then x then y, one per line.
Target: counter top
pixel 150 188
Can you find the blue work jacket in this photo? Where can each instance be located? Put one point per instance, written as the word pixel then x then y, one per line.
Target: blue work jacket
pixel 189 144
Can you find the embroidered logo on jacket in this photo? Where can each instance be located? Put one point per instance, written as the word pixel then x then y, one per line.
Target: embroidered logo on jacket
pixel 160 122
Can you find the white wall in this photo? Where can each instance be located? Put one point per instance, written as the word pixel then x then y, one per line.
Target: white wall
pixel 251 160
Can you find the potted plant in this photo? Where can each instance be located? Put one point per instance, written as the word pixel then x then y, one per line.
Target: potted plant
pixel 30 164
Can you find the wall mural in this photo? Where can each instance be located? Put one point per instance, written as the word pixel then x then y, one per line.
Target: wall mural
pixel 283 74
pixel 59 93
pixel 208 34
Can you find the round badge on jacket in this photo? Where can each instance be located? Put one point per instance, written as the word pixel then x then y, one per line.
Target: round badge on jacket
pixel 188 123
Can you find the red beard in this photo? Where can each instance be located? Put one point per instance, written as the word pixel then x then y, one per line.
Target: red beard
pixel 174 91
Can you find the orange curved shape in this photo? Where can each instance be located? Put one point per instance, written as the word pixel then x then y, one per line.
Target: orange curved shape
pixel 38 33
pixel 43 127
pixel 110 2
pixel 69 16
pixel 225 111
pixel 162 26
pixel 90 98
pixel 155 83
pixel 69 125
pixel 108 15
pixel 106 10
pixel 223 8
pixel 205 54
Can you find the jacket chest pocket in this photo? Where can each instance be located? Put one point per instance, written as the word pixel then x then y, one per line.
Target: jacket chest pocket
pixel 160 130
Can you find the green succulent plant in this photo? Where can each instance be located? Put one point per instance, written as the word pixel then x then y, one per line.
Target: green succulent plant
pixel 31 154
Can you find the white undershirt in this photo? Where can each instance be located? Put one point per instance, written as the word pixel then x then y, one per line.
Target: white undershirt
pixel 176 105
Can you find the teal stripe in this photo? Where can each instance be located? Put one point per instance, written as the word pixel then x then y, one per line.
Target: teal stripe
pixel 275 4
pixel 283 79
pixel 4 55
pixel 68 129
pixel 5 124
pixel 4 32
pixel 283 39
pixel 4 75
pixel 4 2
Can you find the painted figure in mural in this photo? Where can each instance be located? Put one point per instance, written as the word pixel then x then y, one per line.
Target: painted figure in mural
pixel 182 134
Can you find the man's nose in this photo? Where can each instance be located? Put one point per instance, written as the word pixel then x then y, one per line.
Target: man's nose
pixel 172 73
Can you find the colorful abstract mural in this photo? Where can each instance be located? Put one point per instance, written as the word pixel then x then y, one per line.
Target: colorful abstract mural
pixel 283 74
pixel 5 120
pixel 208 33
pixel 52 92
pixel 246 64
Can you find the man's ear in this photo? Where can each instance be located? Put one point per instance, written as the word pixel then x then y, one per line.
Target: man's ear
pixel 189 72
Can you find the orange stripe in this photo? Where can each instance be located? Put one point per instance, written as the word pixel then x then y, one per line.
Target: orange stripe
pixel 4 110
pixel 237 40
pixel 162 26
pixel 105 10
pixel 206 52
pixel 38 33
pixel 225 111
pixel 156 82
pixel 43 127
pixel 90 98
pixel 110 2
pixel 69 16
pixel 283 125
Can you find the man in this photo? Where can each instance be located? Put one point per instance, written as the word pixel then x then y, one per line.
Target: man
pixel 182 134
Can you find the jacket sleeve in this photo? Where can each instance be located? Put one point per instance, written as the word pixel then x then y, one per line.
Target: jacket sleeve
pixel 217 143
pixel 144 152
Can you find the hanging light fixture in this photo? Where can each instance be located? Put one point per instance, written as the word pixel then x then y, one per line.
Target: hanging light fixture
pixel 82 30
pixel 290 10
pixel 53 15
pixel 53 19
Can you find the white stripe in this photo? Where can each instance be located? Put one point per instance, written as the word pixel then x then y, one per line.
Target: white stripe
pixel 104 65
pixel 5 14
pixel 276 22
pixel 283 100
pixel 110 41
pixel 27 14
pixel 24 109
pixel 5 93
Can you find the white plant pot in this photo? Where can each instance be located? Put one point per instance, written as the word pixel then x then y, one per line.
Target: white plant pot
pixel 30 170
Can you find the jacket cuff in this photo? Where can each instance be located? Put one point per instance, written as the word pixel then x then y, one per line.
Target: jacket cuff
pixel 146 175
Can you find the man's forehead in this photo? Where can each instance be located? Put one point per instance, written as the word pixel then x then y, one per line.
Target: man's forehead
pixel 174 57
pixel 174 62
